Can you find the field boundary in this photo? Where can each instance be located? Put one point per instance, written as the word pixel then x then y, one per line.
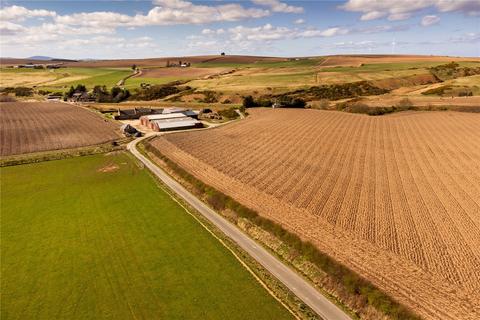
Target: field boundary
pixel 345 279
pixel 42 156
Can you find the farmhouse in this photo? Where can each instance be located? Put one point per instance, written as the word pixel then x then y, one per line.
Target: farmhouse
pixel 81 97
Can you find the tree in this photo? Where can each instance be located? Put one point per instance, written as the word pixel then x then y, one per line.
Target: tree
pixel 134 67
pixel 80 88
pixel 248 102
pixel 289 102
pixel 222 54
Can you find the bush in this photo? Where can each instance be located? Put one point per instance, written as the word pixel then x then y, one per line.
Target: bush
pixel 404 104
pixel 249 102
pixel 155 92
pixel 23 92
pixel 78 89
pixel 359 108
pixel 209 97
pixel 229 113
pixel 290 102
pixel 378 111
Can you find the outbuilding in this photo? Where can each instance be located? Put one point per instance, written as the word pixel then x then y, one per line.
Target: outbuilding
pixel 175 124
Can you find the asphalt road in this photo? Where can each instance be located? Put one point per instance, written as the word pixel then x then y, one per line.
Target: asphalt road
pixel 302 289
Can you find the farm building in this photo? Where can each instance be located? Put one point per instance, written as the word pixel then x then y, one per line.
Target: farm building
pixel 81 97
pixel 175 124
pixel 172 121
pixel 135 113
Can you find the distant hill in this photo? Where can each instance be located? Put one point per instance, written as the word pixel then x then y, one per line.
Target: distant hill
pixel 41 58
pixel 45 58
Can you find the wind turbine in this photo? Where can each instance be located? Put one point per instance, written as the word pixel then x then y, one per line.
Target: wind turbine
pixel 393 46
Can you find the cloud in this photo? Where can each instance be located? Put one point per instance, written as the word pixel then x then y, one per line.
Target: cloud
pixel 277 6
pixel 166 12
pixel 430 20
pixel 470 37
pixel 10 29
pixel 401 10
pixel 269 33
pixel 212 32
pixel 330 32
pixel 17 13
pixel 299 21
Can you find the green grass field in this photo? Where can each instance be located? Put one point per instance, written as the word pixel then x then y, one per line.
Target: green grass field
pixel 94 237
pixel 312 62
pixel 61 79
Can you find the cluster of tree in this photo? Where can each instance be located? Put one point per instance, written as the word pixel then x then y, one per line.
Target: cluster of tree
pixel 283 101
pixel 155 92
pixel 356 106
pixel 341 91
pixel 48 92
pixel 453 70
pixel 250 102
pixel 18 91
pixel 80 88
pixel 116 94
pixel 100 93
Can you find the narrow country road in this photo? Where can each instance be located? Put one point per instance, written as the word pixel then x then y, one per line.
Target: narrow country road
pixel 302 289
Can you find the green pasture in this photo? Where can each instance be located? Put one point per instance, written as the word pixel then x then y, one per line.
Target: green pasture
pixel 381 67
pixel 62 78
pixel 311 62
pixel 95 237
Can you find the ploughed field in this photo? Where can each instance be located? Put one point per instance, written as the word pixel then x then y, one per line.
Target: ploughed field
pixel 395 198
pixel 94 237
pixel 27 127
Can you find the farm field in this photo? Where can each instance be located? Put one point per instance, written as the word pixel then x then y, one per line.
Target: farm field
pixel 395 198
pixel 94 237
pixel 27 127
pixel 61 79
pixel 280 77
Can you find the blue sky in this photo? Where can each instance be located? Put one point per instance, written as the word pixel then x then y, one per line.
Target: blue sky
pixel 140 29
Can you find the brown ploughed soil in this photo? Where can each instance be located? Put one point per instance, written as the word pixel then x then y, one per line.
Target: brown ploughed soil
pixel 27 127
pixel 395 198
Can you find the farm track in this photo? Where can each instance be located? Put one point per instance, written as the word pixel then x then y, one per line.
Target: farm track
pixel 395 198
pixel 43 126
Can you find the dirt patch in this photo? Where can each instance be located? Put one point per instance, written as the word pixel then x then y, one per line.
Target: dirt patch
pixel 109 168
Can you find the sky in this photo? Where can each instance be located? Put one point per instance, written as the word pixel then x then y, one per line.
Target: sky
pixel 143 29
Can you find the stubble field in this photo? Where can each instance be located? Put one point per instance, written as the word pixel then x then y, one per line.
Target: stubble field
pixel 395 198
pixel 27 127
